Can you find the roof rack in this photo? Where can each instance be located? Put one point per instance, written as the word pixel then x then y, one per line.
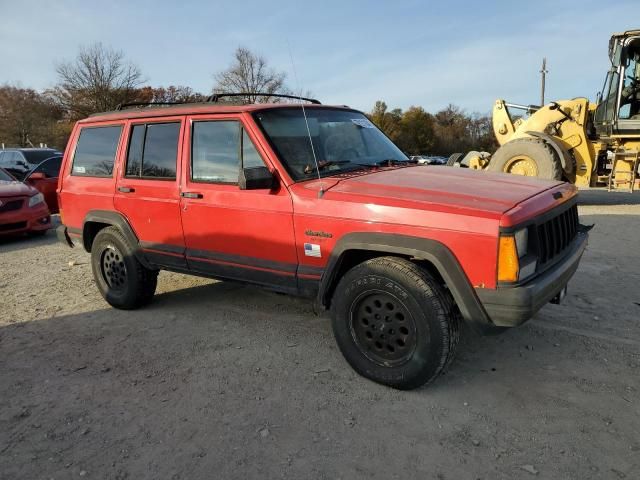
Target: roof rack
pixel 215 98
pixel 122 106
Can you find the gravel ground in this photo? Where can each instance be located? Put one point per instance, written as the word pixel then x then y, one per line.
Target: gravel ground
pixel 217 380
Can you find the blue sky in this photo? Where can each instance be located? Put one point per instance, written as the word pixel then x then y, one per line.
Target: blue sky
pixel 345 52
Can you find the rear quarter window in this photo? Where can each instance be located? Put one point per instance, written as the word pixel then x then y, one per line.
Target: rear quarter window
pixel 96 151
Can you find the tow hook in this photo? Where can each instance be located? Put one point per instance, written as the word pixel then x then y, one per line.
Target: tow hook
pixel 559 297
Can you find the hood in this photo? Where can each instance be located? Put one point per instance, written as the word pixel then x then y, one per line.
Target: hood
pixel 452 188
pixel 16 189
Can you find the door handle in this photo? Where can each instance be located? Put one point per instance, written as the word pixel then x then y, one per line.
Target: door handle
pixel 191 195
pixel 126 189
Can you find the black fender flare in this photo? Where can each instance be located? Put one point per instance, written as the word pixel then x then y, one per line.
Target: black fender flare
pixel 117 220
pixel 566 160
pixel 432 251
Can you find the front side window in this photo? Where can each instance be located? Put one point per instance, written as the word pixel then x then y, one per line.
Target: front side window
pixel 342 141
pixel 50 167
pixel 216 149
pixel 96 151
pixel 153 151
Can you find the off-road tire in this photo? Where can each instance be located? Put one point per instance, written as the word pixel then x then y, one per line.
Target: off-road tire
pixel 546 159
pixel 426 305
pixel 134 285
pixel 454 158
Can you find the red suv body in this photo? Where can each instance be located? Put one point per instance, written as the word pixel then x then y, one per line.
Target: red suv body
pixel 317 202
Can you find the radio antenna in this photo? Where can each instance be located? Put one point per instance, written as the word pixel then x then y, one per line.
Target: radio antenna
pixel 306 122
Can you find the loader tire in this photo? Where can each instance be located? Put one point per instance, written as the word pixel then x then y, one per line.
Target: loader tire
pixel 454 159
pixel 532 157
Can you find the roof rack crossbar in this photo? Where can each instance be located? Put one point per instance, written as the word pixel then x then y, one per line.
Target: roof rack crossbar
pixel 216 96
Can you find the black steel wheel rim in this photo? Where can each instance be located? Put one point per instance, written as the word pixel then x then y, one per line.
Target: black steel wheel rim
pixel 114 271
pixel 382 328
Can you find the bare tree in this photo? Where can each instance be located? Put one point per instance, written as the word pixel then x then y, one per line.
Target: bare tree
pixel 97 80
pixel 249 73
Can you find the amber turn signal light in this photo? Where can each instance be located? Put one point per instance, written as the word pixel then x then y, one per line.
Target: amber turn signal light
pixel 508 266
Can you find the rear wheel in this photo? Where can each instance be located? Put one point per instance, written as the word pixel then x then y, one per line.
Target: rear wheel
pixel 121 279
pixel 394 323
pixel 531 157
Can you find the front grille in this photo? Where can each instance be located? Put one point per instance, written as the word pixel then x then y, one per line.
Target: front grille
pixel 555 234
pixel 11 205
pixel 7 227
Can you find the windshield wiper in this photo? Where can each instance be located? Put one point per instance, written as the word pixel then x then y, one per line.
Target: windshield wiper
pixel 322 164
pixel 391 162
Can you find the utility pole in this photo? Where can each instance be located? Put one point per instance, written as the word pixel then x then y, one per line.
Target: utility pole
pixel 544 72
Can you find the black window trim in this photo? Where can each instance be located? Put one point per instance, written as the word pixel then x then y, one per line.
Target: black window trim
pixel 115 158
pixel 241 130
pixel 144 141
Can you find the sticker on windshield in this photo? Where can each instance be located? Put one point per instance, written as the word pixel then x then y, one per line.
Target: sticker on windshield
pixel 363 122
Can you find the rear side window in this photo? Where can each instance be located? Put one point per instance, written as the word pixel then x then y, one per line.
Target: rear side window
pixel 96 151
pixel 216 150
pixel 153 151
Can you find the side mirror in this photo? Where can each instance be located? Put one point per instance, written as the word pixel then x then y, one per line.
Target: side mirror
pixel 256 178
pixel 37 176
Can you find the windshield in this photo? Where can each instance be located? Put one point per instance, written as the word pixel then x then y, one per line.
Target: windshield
pixel 5 177
pixel 342 141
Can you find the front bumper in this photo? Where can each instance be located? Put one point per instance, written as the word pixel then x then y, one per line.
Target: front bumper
pixel 27 219
pixel 512 306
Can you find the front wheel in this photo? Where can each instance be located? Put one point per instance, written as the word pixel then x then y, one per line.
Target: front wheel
pixel 394 323
pixel 121 279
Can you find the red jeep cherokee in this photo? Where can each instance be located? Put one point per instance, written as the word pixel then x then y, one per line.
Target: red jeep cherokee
pixel 317 202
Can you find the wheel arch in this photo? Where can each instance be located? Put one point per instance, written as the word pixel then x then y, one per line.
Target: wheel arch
pixel 97 220
pixel 354 248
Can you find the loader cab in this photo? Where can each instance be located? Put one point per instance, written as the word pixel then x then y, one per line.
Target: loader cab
pixel 618 111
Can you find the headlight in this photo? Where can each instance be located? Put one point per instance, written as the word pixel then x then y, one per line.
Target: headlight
pixel 36 199
pixel 522 241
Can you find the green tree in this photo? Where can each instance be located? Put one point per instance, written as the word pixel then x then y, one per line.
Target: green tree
pixel 416 132
pixel 387 121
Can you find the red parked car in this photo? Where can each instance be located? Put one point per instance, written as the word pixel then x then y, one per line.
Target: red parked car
pixel 44 177
pixel 22 208
pixel 317 202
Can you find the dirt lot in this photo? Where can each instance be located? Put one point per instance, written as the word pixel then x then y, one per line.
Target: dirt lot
pixel 216 380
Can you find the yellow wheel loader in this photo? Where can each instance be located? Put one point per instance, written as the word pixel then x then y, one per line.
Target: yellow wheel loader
pixel 581 142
